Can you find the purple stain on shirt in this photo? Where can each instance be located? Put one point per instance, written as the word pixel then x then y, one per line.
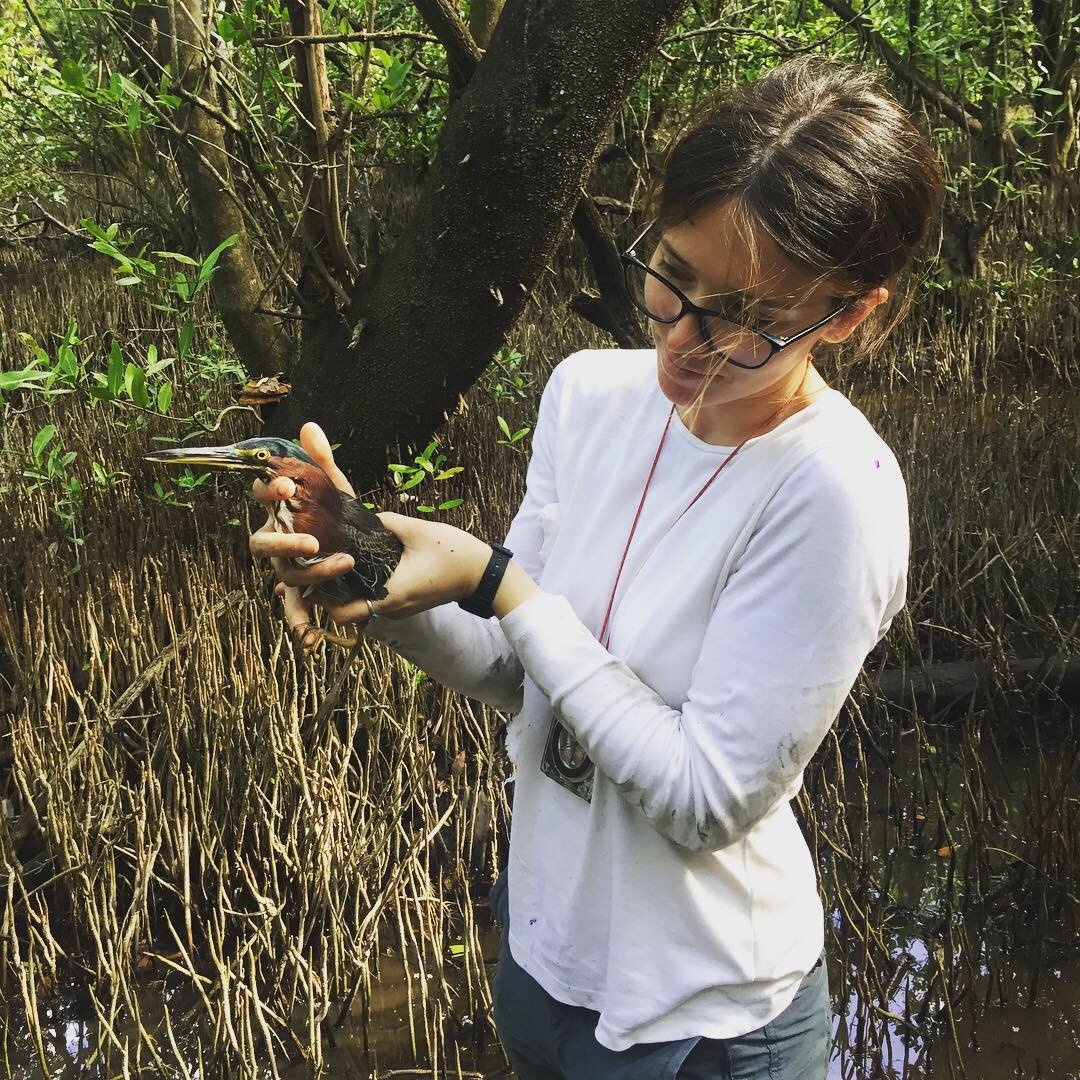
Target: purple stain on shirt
pixel 532 922
pixel 877 463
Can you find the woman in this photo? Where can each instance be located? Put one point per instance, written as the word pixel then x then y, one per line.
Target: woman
pixel 711 542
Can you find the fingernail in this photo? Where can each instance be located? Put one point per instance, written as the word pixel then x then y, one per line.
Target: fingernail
pixel 342 564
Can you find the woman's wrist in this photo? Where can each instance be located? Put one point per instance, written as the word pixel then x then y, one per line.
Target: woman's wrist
pixel 515 588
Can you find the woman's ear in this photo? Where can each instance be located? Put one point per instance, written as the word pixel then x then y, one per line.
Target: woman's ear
pixel 841 328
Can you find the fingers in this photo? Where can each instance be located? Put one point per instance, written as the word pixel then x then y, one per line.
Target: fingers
pixel 313 439
pixel 297 609
pixel 356 612
pixel 399 524
pixel 281 487
pixel 311 575
pixel 267 543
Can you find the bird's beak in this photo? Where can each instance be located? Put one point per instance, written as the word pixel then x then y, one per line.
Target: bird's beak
pixel 218 457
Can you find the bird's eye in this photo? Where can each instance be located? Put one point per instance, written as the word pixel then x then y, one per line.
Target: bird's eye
pixel 263 455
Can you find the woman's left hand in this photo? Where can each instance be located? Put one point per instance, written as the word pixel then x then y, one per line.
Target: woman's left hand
pixel 440 563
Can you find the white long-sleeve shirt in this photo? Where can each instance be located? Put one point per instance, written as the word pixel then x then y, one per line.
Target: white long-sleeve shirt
pixel 682 900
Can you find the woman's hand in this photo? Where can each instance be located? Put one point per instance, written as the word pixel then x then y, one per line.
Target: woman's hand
pixel 439 563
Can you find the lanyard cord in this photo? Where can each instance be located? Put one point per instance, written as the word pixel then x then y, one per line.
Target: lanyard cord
pixel 648 481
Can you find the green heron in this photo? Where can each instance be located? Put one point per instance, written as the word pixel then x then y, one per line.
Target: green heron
pixel 338 521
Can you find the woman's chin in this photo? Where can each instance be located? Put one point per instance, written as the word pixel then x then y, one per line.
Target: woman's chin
pixel 683 386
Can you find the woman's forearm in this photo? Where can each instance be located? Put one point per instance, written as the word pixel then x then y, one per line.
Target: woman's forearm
pixel 459 650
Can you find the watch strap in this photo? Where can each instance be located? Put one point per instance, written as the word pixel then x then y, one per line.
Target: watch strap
pixel 480 602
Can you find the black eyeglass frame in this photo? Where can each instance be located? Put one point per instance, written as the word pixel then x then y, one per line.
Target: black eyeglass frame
pixel 630 258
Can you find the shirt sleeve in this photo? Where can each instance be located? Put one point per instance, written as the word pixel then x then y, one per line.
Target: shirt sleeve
pixel 459 650
pixel 814 590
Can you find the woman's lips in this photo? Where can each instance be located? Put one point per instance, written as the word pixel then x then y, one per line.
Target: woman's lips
pixel 677 370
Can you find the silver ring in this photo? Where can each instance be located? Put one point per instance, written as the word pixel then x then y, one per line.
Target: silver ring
pixel 372 613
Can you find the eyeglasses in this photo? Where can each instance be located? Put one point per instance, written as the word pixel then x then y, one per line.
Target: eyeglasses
pixel 744 345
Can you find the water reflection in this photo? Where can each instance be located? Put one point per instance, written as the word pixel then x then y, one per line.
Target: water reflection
pixel 1013 976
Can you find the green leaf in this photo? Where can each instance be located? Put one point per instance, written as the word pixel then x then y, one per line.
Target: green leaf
pixel 41 440
pixel 139 392
pixel 504 425
pixel 209 264
pixel 73 75
pixel 129 279
pixel 66 360
pixel 450 504
pixel 11 380
pixel 115 378
pixel 187 260
pixel 401 468
pixel 447 473
pixel 414 481
pixel 426 509
pixel 457 950
pixel 164 397
pixel 187 332
pixel 134 115
pixel 135 385
pixel 94 228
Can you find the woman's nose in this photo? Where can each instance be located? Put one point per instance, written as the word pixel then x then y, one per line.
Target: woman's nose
pixel 684 335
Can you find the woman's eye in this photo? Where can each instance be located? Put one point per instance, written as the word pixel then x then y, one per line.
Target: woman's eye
pixel 671 271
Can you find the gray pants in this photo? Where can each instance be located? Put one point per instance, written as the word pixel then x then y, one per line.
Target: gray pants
pixel 547 1040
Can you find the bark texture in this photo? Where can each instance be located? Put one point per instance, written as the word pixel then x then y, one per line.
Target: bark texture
pixel 263 346
pixel 424 321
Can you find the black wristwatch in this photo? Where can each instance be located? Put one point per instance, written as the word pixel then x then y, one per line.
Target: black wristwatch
pixel 480 602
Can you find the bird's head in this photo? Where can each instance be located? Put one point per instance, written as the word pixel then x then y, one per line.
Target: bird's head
pixel 316 505
pixel 262 457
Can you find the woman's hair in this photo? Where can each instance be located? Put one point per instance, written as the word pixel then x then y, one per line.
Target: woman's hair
pixel 819 155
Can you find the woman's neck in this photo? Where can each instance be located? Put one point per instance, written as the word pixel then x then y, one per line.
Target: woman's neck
pixel 728 424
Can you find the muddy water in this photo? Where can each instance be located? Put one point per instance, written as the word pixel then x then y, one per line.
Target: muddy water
pixel 1016 1002
pixel 1020 1020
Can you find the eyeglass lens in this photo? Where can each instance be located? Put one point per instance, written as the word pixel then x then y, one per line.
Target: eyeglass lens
pixel 654 298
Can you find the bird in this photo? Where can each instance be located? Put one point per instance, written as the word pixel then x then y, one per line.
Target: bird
pixel 340 522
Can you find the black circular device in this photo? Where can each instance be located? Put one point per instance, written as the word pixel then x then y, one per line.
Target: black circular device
pixel 564 760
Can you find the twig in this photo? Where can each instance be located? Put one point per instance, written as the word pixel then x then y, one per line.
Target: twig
pixel 336 39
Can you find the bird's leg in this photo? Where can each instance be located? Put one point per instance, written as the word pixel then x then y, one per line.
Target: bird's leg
pixel 307 637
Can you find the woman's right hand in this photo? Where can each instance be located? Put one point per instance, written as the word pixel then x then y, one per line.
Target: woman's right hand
pixel 268 543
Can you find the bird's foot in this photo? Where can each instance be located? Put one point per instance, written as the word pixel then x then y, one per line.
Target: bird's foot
pixel 307 637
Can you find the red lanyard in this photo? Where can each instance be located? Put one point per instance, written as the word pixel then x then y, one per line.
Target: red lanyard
pixel 645 490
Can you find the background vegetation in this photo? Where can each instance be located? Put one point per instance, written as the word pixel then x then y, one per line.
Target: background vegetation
pixel 219 862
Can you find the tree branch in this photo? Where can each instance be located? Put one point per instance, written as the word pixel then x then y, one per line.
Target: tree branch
pixel 462 52
pixel 965 113
pixel 340 39
pixel 611 310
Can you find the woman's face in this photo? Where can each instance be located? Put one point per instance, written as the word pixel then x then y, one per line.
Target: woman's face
pixel 706 259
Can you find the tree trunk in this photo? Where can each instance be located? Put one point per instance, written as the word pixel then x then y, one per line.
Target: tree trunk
pixel 483 15
pixel 264 347
pixel 423 323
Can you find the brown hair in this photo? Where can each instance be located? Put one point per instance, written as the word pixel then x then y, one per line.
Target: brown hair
pixel 821 156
